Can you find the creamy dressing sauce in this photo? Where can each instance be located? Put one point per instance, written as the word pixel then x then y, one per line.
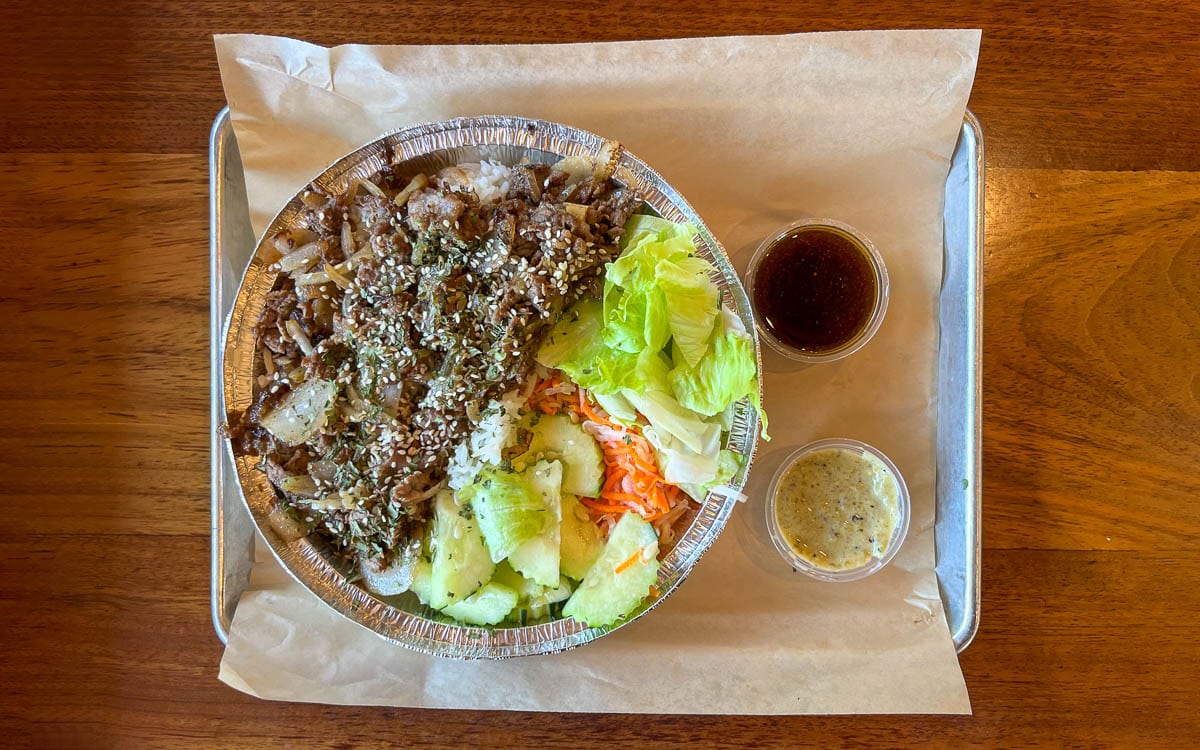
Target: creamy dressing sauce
pixel 838 508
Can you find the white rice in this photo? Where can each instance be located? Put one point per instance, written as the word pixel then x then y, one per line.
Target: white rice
pixel 496 431
pixel 489 180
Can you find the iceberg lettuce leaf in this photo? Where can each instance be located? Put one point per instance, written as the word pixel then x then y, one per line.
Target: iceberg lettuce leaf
pixel 694 302
pixel 576 335
pixel 509 510
pixel 723 376
pixel 659 295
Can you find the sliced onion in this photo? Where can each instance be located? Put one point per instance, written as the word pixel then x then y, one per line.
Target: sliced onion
pixel 313 199
pixel 578 210
pixel 288 528
pixel 302 413
pixel 322 469
pixel 301 258
pixel 348 264
pixel 316 278
pixel 299 336
pixel 336 276
pixel 354 409
pixel 301 485
pixel 577 168
pixel 397 577
pixel 606 161
pixel 372 188
pixel 288 241
pixel 413 186
pixel 430 492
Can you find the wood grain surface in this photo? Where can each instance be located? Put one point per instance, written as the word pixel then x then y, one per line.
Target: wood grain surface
pixel 1091 372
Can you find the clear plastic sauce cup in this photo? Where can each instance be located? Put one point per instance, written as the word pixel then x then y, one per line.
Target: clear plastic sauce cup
pixel 819 289
pixel 838 510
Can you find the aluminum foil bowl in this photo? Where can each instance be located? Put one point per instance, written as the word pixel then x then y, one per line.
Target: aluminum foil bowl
pixel 404 620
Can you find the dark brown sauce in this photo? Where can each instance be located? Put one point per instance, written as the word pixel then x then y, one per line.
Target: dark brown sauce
pixel 815 290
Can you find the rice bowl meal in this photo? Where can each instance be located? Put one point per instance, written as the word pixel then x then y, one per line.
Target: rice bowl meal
pixel 492 396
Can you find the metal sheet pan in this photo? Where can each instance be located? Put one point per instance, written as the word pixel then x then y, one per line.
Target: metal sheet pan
pixel 959 490
pixel 960 357
pixel 232 242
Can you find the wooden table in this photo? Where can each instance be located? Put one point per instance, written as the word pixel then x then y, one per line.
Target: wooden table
pixel 1092 375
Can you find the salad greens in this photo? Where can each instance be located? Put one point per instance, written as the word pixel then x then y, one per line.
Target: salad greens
pixel 659 345
pixel 716 381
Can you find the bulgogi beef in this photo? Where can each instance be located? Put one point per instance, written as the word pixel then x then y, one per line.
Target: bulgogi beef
pixel 404 307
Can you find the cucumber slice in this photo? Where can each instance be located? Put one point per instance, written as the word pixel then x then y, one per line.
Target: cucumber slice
pixel 422 582
pixel 538 558
pixel 547 596
pixel 524 587
pixel 487 606
pixel 557 437
pixel 461 563
pixel 581 541
pixel 605 595
pixel 532 600
pixel 526 614
pixel 510 510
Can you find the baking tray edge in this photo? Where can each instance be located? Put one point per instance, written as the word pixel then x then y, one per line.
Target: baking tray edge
pixel 231 528
pixel 216 168
pixel 959 480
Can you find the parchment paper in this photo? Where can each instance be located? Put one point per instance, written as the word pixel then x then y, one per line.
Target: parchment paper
pixel 756 132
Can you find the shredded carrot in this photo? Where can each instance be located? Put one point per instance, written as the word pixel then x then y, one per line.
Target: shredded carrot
pixel 632 481
pixel 602 507
pixel 659 498
pixel 632 476
pixel 621 496
pixel 629 563
pixel 549 402
pixel 591 413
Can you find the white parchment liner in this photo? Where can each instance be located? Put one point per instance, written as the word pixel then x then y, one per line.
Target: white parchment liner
pixel 756 132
